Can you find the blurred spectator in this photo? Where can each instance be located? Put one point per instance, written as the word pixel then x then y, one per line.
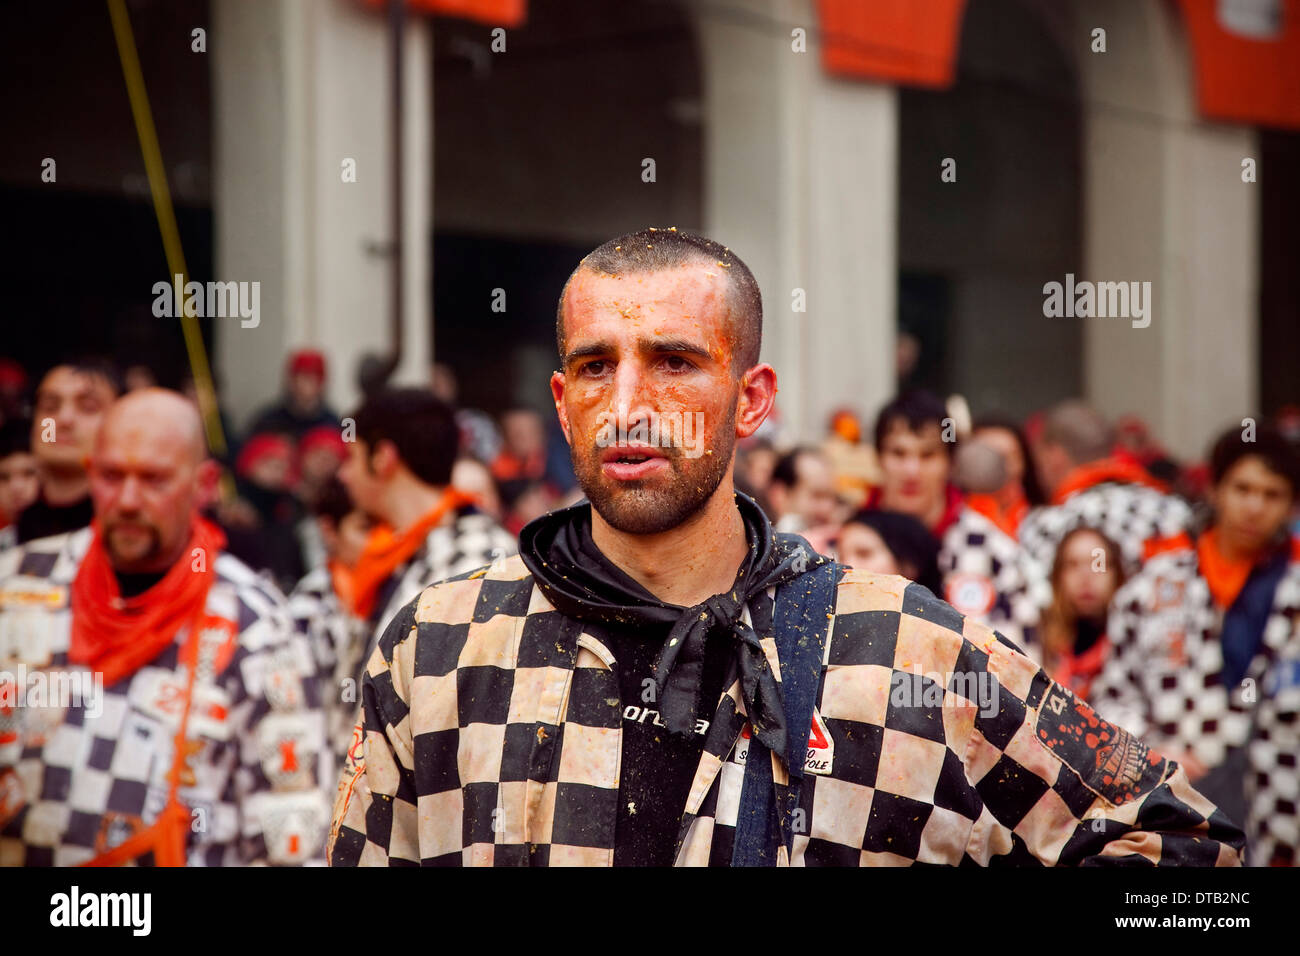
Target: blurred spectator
pixel 915 460
pixel 20 478
pixel 473 477
pixel 399 472
pixel 302 406
pixel 802 492
pixel 262 524
pixel 137 377
pixel 321 453
pixel 1206 653
pixel 985 574
pixel 886 542
pixel 1087 485
pixel 853 463
pixel 13 391
pixel 70 405
pixel 1007 505
pixel 319 605
pixel 1085 575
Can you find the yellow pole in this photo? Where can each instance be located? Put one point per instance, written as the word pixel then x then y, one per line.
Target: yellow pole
pixel 162 205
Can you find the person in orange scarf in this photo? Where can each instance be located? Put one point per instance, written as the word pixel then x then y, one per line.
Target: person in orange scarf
pixel 194 736
pixel 1205 658
pixel 398 471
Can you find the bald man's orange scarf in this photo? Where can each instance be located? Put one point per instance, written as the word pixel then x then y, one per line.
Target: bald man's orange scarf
pixel 117 636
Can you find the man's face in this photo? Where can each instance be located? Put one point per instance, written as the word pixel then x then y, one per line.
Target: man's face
pixel 1005 444
pixel 362 484
pixel 70 406
pixel 1251 504
pixel 649 357
pixel 813 495
pixel 915 467
pixel 305 389
pixel 20 483
pixel 146 488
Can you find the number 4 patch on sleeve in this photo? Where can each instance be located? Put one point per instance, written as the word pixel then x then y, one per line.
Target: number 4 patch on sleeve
pixel 1108 759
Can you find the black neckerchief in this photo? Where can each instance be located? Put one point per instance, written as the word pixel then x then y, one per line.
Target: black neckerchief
pixel 582 583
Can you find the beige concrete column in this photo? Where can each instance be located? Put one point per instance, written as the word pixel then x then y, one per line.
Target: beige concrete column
pixel 801 180
pixel 300 87
pixel 1164 203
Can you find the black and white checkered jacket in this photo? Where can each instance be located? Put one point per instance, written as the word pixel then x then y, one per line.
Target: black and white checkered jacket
pixel 989 578
pixel 76 780
pixel 1163 681
pixel 472 540
pixel 492 726
pixel 338 640
pixel 1129 514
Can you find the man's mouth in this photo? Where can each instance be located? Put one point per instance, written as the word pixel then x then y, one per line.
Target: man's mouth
pixel 631 462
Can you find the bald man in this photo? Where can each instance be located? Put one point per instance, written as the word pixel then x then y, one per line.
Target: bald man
pixel 156 706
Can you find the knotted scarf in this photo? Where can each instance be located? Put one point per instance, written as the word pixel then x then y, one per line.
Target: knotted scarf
pixel 116 635
pixel 581 583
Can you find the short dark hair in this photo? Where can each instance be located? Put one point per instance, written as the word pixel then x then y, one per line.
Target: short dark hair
pixel 908 540
pixel 421 427
pixel 1278 455
pixel 657 250
pixel 915 409
pixel 16 437
pixel 786 470
pixel 94 366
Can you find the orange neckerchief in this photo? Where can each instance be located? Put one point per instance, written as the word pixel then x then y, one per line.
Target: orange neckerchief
pixel 343 580
pixel 387 550
pixel 1077 671
pixel 1007 519
pixel 1107 469
pixel 1226 578
pixel 116 635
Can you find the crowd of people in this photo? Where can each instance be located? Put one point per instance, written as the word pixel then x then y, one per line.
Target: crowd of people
pixel 1166 593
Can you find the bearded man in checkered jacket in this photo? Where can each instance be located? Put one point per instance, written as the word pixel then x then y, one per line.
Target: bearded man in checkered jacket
pixel 659 678
pixel 188 730
pixel 1091 489
pixel 1205 660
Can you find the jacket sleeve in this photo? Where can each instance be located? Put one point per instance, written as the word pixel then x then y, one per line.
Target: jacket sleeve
pixel 1060 785
pixel 374 819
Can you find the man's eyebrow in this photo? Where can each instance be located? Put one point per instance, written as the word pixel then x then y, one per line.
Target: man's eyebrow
pixel 674 345
pixel 645 346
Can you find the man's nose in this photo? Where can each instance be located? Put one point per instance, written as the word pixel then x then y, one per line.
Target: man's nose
pixel 631 392
pixel 128 498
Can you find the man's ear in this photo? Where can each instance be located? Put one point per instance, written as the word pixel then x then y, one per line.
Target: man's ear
pixel 757 396
pixel 207 477
pixel 557 393
pixel 384 459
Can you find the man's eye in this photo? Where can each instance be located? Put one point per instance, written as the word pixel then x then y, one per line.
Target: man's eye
pixel 675 363
pixel 594 368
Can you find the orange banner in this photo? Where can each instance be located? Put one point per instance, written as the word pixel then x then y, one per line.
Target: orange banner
pixel 1246 55
pixel 913 42
pixel 498 13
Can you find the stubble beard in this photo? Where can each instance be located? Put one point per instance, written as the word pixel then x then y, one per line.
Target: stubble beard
pixel 655 505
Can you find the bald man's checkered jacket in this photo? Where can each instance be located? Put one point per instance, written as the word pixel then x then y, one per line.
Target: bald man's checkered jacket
pixel 491 735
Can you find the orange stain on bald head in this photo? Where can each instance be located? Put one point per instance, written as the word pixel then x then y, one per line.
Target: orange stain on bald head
pixel 153 425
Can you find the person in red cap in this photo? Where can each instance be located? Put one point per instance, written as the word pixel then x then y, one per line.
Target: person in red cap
pixel 302 407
